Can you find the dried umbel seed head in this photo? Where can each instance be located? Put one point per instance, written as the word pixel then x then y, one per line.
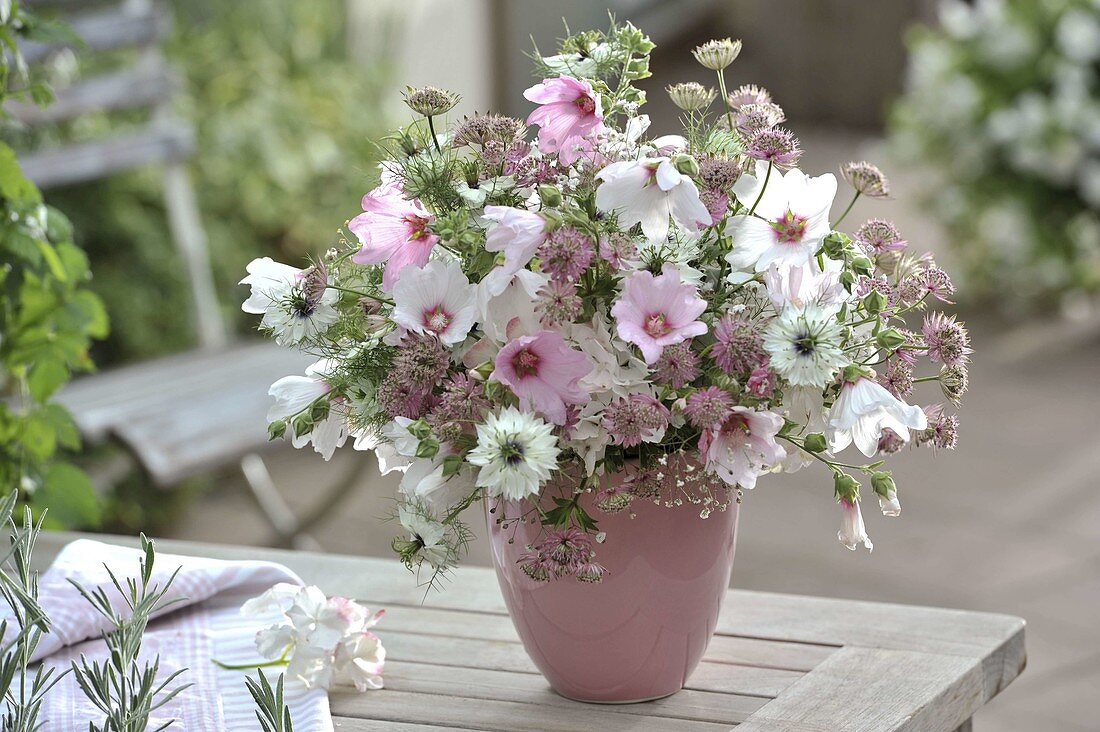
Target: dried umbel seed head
pixel 717 55
pixel 954 382
pixel 691 96
pixel 429 100
pixel 866 178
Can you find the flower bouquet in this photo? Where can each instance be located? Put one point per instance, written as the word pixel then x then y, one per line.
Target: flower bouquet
pixel 604 337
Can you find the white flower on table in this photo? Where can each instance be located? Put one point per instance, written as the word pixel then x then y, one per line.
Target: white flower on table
pixel 323 640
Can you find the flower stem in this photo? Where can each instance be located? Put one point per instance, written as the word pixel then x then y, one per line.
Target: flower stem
pixel 248 666
pixel 725 98
pixel 767 177
pixel 360 293
pixel 850 204
pixel 435 140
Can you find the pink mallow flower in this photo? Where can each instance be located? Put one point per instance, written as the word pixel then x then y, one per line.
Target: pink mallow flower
pixel 392 230
pixel 654 312
pixel 437 300
pixel 743 446
pixel 864 411
pixel 569 114
pixel 543 371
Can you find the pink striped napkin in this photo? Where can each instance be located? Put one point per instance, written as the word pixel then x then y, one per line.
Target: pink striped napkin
pixel 205 625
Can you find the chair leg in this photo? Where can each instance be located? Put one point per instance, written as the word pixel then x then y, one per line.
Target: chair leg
pixel 288 530
pixel 967 726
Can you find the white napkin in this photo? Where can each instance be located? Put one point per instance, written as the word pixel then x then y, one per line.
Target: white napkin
pixel 205 625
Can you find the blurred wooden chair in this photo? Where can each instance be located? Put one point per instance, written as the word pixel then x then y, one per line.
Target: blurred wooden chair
pixel 192 413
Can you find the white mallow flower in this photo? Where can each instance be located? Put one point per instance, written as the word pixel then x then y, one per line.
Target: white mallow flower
pixel 425 482
pixel 436 299
pixel 789 223
pixel 506 303
pixel 852 531
pixel 649 192
pixel 295 303
pixel 804 345
pixel 293 394
pixel 516 452
pixel 324 640
pixel 805 405
pixel 397 448
pixel 428 533
pixel 863 410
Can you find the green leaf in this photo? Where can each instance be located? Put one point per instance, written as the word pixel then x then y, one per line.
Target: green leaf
pixel 13 184
pixel 53 261
pixel 65 429
pixel 69 498
pixel 45 377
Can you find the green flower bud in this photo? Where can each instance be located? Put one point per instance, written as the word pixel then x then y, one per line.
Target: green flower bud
pixel 276 429
pixel 451 465
pixel 883 483
pixel 863 265
pixel 848 280
pixel 874 302
pixel 303 425
pixel 549 195
pixel 686 164
pixel 890 339
pixel 420 429
pixel 428 448
pixel 846 487
pixel 836 243
pixel 815 442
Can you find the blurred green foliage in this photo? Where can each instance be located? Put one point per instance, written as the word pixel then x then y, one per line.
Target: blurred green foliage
pixel 284 123
pixel 48 316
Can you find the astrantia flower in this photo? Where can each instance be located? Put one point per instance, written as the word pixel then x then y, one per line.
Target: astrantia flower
pixel 866 179
pixel 708 407
pixel 566 253
pixel 738 347
pixel 752 118
pixel 948 342
pixel 570 113
pixel 429 100
pixel 393 231
pixel 482 129
pixel 879 235
pixel 437 300
pixel 559 304
pixel 516 452
pixel 718 54
pixel 774 145
pixel 792 219
pixel 654 312
pixel 742 446
pixel 677 366
pixel 543 371
pixel 852 531
pixel 804 345
pixel 617 249
pixel 863 410
pixel 898 378
pixel 649 192
pixel 638 418
pixel 691 96
pixel 293 306
pixel 954 382
pixel 942 431
pixel 749 94
pixel 324 639
pixel 929 281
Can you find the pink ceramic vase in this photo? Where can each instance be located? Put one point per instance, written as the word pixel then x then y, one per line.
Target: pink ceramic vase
pixel 639 633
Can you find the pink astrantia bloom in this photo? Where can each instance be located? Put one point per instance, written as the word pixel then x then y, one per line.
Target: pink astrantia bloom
pixel 863 411
pixel 570 113
pixel 649 192
pixel 790 221
pixel 392 230
pixel 543 371
pixel 743 446
pixel 654 312
pixel 852 531
pixel 437 300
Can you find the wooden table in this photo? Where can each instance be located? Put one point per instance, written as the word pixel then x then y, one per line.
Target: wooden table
pixel 778 662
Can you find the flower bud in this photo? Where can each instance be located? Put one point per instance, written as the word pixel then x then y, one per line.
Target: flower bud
pixel 420 429
pixel 686 165
pixel 846 487
pixel 276 429
pixel 836 243
pixel 718 54
pixel 874 302
pixel 887 491
pixel 428 448
pixel 863 265
pixel 549 195
pixel 847 279
pixel 691 96
pixel 866 178
pixel 451 465
pixel 890 339
pixel 429 100
pixel 815 442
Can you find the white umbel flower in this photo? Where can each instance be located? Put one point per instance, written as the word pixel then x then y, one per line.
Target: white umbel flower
pixel 863 410
pixel 804 345
pixel 516 452
pixel 290 310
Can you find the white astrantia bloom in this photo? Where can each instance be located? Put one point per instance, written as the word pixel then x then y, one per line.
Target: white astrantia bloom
pixel 293 394
pixel 649 192
pixel 852 531
pixel 436 299
pixel 428 533
pixel 291 309
pixel 516 452
pixel 804 345
pixel 863 410
pixel 790 220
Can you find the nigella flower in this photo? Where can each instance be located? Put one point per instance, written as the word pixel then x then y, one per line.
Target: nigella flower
pixel 852 530
pixel 774 145
pixel 394 231
pixel 436 300
pixel 323 639
pixel 738 347
pixel 708 407
pixel 649 192
pixel 296 304
pixel 948 342
pixel 543 371
pixel 863 410
pixel 636 419
pixel 677 366
pixel 742 446
pixel 516 451
pixel 566 253
pixel 792 219
pixel 877 236
pixel 866 179
pixel 804 345
pixel 426 537
pixel 654 312
pixel 569 116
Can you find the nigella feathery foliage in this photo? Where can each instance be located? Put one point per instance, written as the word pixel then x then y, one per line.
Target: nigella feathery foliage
pixel 124 689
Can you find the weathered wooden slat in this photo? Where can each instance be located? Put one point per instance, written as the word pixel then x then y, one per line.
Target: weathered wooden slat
pixel 107 30
pixel 158 143
pixel 865 689
pixel 529 688
pixel 348 724
pixel 133 88
pixel 482 714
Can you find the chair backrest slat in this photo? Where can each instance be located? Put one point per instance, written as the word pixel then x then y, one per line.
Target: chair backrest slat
pixel 135 88
pixel 109 30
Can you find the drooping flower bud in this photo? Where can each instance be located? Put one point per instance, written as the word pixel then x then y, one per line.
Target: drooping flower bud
pixel 716 55
pixel 887 492
pixel 866 178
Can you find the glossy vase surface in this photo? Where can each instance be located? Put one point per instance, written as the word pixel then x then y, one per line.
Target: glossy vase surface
pixel 639 633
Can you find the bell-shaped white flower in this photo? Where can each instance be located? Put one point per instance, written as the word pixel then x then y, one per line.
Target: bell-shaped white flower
pixel 863 410
pixel 852 531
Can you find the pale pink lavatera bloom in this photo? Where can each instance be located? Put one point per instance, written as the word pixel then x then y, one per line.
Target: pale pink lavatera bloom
pixel 518 233
pixel 654 312
pixel 742 446
pixel 392 230
pixel 863 410
pixel 543 371
pixel 569 114
pixel 294 394
pixel 649 192
pixel 436 299
pixel 852 531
